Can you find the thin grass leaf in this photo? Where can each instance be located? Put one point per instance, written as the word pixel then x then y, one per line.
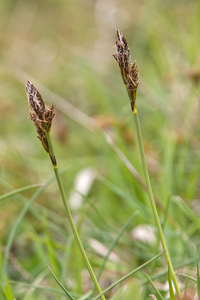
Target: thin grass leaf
pixel 166 212
pixel 188 212
pixel 115 242
pixel 171 290
pixel 132 201
pixel 50 247
pixel 53 290
pixel 198 276
pixel 66 258
pixel 17 223
pixel 189 277
pixel 26 188
pixel 186 287
pixel 36 282
pixel 60 284
pixel 163 226
pixel 128 275
pixel 6 290
pixel 2 292
pixel 86 296
pixel 166 184
pixel 37 208
pixel 156 290
pixel 79 266
pixel 101 218
pixel 179 266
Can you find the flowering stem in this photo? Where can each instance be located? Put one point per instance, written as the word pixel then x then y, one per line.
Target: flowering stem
pixel 71 222
pixel 152 201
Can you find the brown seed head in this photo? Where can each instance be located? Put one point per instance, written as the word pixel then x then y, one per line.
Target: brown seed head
pixel 40 114
pixel 128 69
pixel 37 104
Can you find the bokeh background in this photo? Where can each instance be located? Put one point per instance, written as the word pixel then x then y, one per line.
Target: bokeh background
pixel 65 48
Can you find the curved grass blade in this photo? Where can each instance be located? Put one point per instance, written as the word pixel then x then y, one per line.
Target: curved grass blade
pixel 38 279
pixel 17 223
pixel 188 212
pixel 171 290
pixel 2 293
pixel 128 275
pixel 179 266
pixel 86 296
pixel 156 290
pixel 37 208
pixel 60 284
pixel 130 200
pixel 115 242
pixel 39 287
pixel 188 277
pixel 26 188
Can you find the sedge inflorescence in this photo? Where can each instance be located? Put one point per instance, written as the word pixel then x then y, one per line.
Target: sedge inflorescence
pixel 40 114
pixel 129 71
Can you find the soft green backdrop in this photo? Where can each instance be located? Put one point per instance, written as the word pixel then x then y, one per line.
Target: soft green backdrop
pixel 65 48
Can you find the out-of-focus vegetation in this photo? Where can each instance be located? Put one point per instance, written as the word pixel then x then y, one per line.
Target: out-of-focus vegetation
pixel 65 48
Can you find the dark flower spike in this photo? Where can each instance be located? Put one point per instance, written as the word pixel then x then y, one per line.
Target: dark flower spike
pixel 128 69
pixel 40 114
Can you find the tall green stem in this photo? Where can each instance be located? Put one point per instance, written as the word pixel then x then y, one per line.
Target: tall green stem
pixel 71 222
pixel 153 204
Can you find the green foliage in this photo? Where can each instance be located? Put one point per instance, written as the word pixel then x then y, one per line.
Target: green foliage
pixel 65 49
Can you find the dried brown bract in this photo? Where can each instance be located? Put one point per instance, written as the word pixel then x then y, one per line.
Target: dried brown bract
pixel 128 69
pixel 153 297
pixel 40 114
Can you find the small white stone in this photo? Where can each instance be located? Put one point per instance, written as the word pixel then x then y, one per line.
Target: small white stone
pixel 144 234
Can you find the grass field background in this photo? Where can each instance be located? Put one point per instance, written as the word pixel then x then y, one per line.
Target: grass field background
pixel 65 48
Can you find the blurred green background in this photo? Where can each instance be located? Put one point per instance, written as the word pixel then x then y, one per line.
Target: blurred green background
pixel 65 48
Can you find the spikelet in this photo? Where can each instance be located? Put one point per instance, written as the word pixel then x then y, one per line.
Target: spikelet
pixel 40 114
pixel 129 71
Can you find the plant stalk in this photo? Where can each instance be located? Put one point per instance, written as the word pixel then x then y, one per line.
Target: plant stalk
pixel 152 201
pixel 71 222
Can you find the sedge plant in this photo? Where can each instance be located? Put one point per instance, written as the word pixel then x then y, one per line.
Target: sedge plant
pixel 42 116
pixel 129 73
